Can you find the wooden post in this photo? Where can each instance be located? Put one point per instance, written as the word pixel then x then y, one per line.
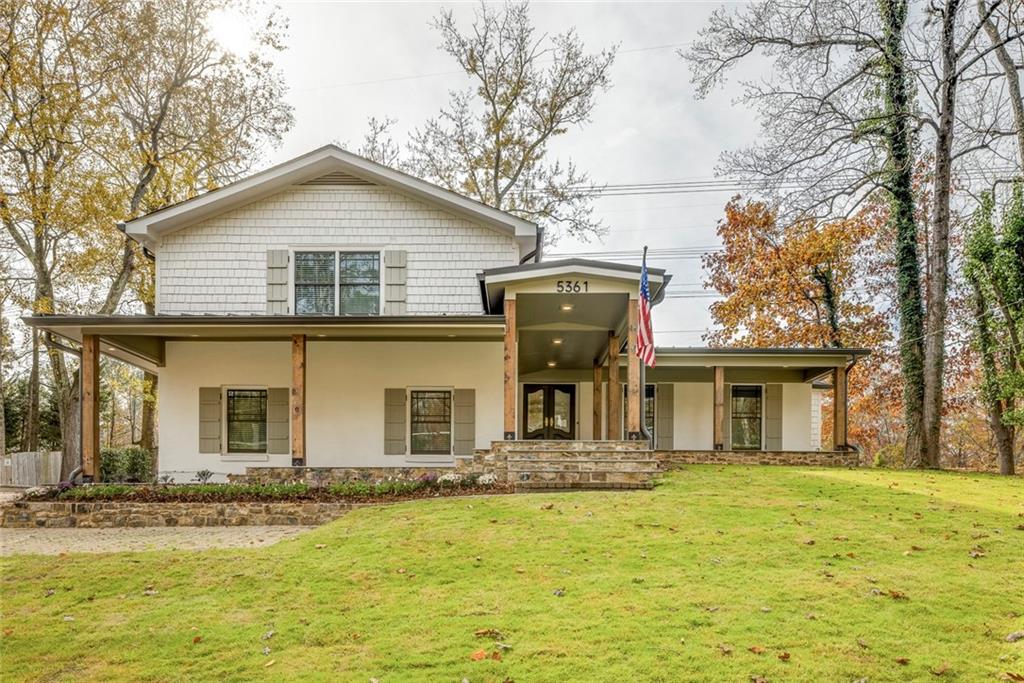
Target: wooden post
pixel 839 408
pixel 633 376
pixel 597 401
pixel 91 406
pixel 511 354
pixel 298 402
pixel 614 389
pixel 719 429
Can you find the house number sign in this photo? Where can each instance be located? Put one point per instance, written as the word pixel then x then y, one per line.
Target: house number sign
pixel 572 286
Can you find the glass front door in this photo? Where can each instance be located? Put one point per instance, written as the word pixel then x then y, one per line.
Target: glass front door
pixel 549 411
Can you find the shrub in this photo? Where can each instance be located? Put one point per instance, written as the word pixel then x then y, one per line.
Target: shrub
pixel 889 456
pixel 129 463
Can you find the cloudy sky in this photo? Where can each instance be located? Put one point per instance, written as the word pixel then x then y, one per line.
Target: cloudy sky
pixel 348 61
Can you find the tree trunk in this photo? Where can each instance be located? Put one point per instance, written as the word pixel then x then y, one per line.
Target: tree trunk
pixel 1003 435
pixel 898 132
pixel 150 385
pixel 1010 70
pixel 938 245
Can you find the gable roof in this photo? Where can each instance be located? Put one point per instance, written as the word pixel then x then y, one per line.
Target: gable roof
pixel 325 161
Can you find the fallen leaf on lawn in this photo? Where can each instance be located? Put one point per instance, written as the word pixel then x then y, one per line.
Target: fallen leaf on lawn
pixel 520 570
pixel 940 669
pixel 320 546
pixel 902 661
pixel 724 649
pixel 478 655
pixel 503 646
pixel 558 592
pixel 496 656
pixel 898 595
pixel 270 663
pixel 487 633
pixel 1010 676
pixel 197 639
pixel 809 541
pixel 756 649
pixel 8 631
pixel 917 548
pixel 549 506
pixel 784 656
pixel 840 538
pixel 1019 527
pixel 758 679
pixel 268 635
pixel 401 570
pixel 863 643
pixel 977 551
pixel 1015 636
pixel 812 616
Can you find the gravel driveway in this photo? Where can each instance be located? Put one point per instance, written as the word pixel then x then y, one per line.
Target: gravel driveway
pixel 56 541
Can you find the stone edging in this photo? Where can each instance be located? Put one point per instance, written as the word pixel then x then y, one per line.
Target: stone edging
pixel 110 514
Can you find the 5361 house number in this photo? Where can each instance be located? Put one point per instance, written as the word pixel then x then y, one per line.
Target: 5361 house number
pixel 572 286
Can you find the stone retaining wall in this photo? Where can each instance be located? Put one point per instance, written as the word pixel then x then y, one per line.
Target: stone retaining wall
pixel 108 514
pixel 802 458
pixel 322 476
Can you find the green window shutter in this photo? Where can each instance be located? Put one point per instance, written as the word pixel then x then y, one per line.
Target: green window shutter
pixel 727 426
pixel 464 416
pixel 209 420
pixel 277 282
pixel 665 417
pixel 773 417
pixel 278 423
pixel 394 421
pixel 395 275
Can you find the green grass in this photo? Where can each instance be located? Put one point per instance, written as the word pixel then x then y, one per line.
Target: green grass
pixel 656 586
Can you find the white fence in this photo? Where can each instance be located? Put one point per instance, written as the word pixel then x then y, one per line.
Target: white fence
pixel 30 469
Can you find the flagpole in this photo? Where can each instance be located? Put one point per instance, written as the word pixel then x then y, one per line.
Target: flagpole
pixel 643 375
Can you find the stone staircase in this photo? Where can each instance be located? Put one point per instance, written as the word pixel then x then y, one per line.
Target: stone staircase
pixel 555 465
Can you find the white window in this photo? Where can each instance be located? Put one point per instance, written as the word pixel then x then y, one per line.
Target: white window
pixel 336 282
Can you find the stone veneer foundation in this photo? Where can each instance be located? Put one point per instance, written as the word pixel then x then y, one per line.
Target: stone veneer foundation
pixel 798 458
pixel 109 514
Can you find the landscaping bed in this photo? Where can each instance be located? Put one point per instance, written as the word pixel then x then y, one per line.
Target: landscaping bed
pixel 351 491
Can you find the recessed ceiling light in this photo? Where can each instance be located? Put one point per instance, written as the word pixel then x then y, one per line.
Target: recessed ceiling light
pixel 321 335
pixel 556 341
pixel 566 307
pixel 552 363
pixel 193 335
pixel 451 336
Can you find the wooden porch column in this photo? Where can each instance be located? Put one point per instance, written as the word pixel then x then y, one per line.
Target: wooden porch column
pixel 597 401
pixel 511 354
pixel 839 408
pixel 298 402
pixel 719 429
pixel 614 389
pixel 633 376
pixel 91 406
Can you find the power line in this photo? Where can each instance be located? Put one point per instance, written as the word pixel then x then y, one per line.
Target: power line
pixel 413 77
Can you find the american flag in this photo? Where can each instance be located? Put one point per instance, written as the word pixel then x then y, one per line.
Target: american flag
pixel 645 335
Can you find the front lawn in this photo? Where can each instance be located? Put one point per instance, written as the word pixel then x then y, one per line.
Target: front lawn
pixel 719 574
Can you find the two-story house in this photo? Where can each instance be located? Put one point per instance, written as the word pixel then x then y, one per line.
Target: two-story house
pixel 333 312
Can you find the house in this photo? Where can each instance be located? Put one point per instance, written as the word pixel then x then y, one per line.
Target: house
pixel 333 312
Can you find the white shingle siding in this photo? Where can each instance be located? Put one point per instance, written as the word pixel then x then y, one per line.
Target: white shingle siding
pixel 219 265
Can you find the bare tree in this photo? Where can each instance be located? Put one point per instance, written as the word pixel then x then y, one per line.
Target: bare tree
pixel 492 141
pixel 837 125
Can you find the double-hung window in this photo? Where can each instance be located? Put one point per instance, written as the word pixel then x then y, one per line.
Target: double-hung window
pixel 247 420
pixel 430 422
pixel 337 282
pixel 746 417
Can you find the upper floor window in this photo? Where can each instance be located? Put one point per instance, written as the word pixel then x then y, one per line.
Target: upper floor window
pixel 337 282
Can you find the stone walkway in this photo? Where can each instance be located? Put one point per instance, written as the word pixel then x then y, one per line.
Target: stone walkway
pixel 56 541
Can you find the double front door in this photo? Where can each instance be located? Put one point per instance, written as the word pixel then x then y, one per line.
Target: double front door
pixel 549 411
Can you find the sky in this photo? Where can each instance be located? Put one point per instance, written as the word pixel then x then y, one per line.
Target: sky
pixel 345 62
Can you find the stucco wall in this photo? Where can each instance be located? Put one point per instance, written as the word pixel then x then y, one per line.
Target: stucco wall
pixel 219 265
pixel 344 395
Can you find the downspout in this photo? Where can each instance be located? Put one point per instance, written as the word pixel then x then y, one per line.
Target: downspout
pixel 535 255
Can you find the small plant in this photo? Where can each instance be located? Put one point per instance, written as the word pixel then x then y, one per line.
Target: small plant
pixel 130 463
pixel 166 479
pixel 203 476
pixel 487 479
pixel 449 479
